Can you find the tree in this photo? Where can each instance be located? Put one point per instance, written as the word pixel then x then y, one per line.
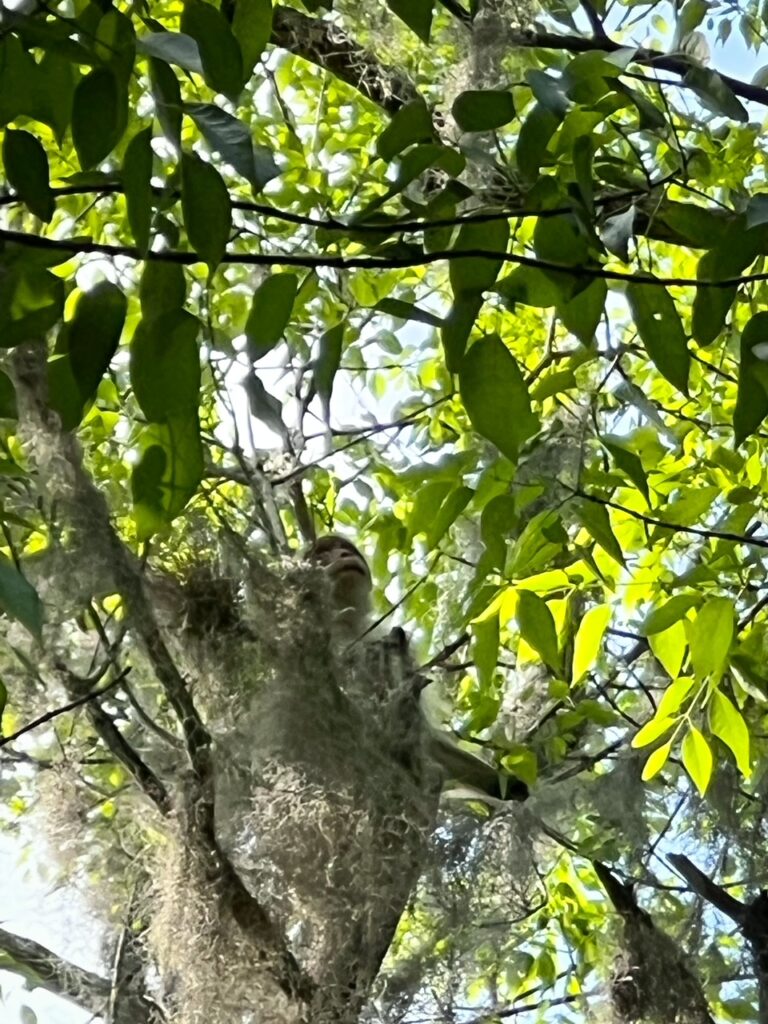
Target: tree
pixel 480 287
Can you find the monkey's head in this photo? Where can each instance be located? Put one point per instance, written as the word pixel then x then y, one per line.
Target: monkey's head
pixel 350 580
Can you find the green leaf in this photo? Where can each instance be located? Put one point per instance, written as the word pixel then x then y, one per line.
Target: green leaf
pixel 252 27
pixel 26 169
pixel 714 94
pixel 31 302
pixel 710 636
pixel 485 648
pixel 3 702
pixel 172 48
pixel 270 313
pixel 219 50
pixel 207 209
pixel 230 137
pixel 710 305
pixel 407 311
pixel 115 44
pixel 752 397
pixel 581 314
pixel 537 628
pixel 478 274
pixel 675 694
pixel 669 648
pixel 628 462
pixel 169 472
pixel 265 406
pixel 99 115
pixel 327 363
pixel 697 759
pixel 668 614
pixel 19 599
pixel 588 640
pixel 165 365
pixel 596 521
pixel 727 723
pixel 658 324
pixel 412 123
pixel 652 730
pixel 559 240
pixel 483 110
pixel 495 396
pixel 84 350
pixel 450 509
pixel 167 96
pixel 137 184
pixel 417 15
pixel 457 327
pixel 535 133
pixel 656 761
pixel 162 288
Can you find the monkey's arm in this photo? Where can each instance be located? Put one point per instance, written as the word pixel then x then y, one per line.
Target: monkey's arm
pixel 460 766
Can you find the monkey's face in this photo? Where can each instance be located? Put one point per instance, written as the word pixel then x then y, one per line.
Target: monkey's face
pixel 350 578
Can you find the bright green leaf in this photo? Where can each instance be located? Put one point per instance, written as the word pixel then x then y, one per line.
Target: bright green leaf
pixel 596 521
pixel 675 694
pixel 661 618
pixel 588 640
pixel 727 723
pixel 669 648
pixel 652 730
pixel 710 636
pixel 697 759
pixel 537 627
pixel 656 761
pixel 165 365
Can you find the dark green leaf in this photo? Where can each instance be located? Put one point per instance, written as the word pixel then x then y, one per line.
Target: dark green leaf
pixel 495 396
pixel 19 599
pixel 714 94
pixel 115 43
pixel 752 399
pixel 537 628
pixel 483 110
pixel 137 185
pixel 172 48
pixel 478 273
pixel 628 462
pixel 450 509
pixel 535 132
pixel 26 168
pixel 99 114
pixel 270 313
pixel 252 27
pixel 165 365
pixel 207 209
pixel 3 701
pixel 596 521
pixel 31 302
pixel 162 288
pixel 417 15
pixel 219 50
pixel 84 350
pixel 401 310
pixel 457 327
pixel 55 103
pixel 167 96
pixel 559 240
pixel 265 406
pixel 710 305
pixel 230 137
pixel 327 362
pixel 581 314
pixel 412 123
pixel 168 474
pixel 658 324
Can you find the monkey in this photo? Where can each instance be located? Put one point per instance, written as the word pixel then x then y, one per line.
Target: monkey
pixel 351 587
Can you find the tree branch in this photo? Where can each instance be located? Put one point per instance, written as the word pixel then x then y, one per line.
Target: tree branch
pixel 676 65
pixel 41 968
pixel 328 47
pixel 76 247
